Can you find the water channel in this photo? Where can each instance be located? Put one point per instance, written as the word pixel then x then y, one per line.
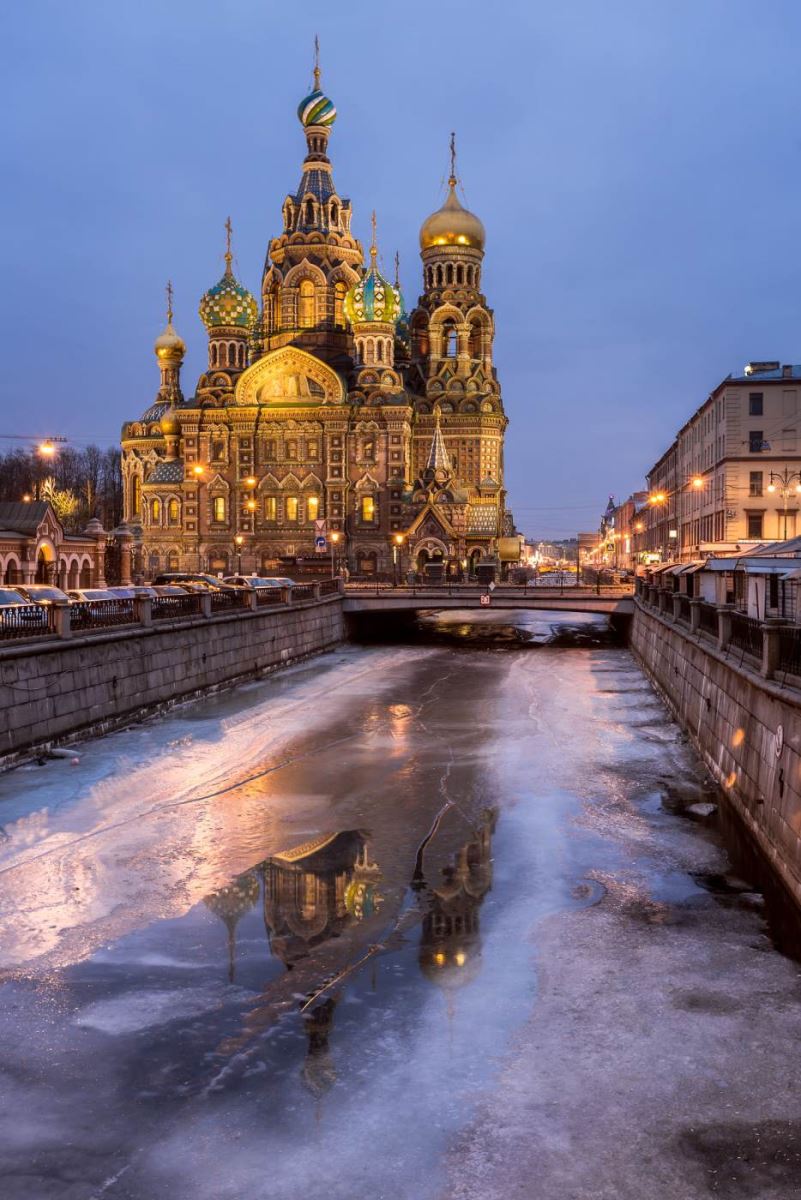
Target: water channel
pixel 418 922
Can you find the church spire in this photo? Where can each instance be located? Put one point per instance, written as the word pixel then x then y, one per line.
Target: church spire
pixel 438 459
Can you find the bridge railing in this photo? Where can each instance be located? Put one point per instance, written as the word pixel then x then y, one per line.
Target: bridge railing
pixel 476 589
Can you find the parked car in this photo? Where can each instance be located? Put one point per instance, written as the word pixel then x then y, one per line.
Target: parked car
pixel 41 593
pixel 188 579
pixel 131 591
pixel 10 599
pixel 171 589
pixel 258 581
pixel 93 594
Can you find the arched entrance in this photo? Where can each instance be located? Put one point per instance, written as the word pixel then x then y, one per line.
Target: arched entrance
pixel 431 559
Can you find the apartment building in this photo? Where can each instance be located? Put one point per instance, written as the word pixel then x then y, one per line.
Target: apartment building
pixel 732 477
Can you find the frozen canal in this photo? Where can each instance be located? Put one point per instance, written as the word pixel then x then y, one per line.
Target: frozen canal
pixel 402 923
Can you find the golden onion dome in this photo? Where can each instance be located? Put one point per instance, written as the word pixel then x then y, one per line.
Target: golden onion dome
pixel 169 347
pixel 169 422
pixel 452 225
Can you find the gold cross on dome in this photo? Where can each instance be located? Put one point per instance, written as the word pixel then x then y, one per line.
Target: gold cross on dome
pixel 452 179
pixel 169 302
pixel 229 229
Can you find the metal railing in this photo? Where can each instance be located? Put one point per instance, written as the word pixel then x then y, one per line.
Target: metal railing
pixel 225 601
pixel 269 595
pixel 303 591
pixel 708 618
pixel 21 621
pixel 499 589
pixel 164 608
pixel 329 587
pixel 746 634
pixel 790 651
pixel 100 614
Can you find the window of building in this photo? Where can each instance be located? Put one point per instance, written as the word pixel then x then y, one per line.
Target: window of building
pixel 755 480
pixel 173 561
pixel 218 508
pixel 136 498
pixel 754 524
pixel 306 304
pixel 339 304
pixel 755 441
pixel 309 212
pixel 173 511
pixel 368 508
pixel 270 508
pixel 291 449
pixel 450 341
pixel 217 451
pixel 755 404
pixel 369 449
pixel 269 450
pixel 312 507
pixel 291 508
pixel 155 511
pixel 313 449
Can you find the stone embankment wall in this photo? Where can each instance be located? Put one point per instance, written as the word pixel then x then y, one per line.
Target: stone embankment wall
pixel 747 729
pixel 51 689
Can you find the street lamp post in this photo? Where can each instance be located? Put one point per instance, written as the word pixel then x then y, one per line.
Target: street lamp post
pixel 787 481
pixel 239 542
pixel 334 540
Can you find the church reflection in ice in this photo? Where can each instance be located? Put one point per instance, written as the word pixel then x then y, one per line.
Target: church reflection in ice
pixel 319 900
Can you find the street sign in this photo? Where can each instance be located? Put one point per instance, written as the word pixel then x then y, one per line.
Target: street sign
pixel 320 527
pixel 320 545
pixel 486 598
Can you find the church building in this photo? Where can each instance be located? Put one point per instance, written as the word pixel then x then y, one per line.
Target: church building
pixel 328 419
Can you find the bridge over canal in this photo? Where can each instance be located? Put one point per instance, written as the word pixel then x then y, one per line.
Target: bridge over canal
pixel 360 598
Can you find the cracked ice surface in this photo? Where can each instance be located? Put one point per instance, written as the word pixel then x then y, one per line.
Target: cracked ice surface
pixel 409 923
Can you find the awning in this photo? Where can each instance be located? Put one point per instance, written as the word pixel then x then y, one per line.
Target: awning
pixel 794 574
pixel 693 567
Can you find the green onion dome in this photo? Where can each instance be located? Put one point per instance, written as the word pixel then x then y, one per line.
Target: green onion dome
pixel 373 298
pixel 228 303
pixel 316 109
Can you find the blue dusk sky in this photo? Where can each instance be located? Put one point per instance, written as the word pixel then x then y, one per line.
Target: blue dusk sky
pixel 637 165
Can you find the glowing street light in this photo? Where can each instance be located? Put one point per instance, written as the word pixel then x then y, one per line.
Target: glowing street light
pixel 397 542
pixel 334 540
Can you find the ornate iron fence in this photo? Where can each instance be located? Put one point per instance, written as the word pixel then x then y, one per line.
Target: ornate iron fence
pixel 100 614
pixel 269 595
pixel 329 587
pixel 303 591
pixel 790 651
pixel 708 618
pixel 20 621
pixel 165 607
pixel 224 601
pixel 746 634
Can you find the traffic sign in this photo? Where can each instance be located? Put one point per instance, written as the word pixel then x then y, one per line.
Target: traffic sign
pixel 320 545
pixel 320 527
pixel 486 598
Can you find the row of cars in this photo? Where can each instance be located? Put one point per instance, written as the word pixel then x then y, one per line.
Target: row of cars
pixel 25 605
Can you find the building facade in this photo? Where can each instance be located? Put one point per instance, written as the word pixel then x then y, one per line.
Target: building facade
pixel 731 478
pixel 325 408
pixel 34 548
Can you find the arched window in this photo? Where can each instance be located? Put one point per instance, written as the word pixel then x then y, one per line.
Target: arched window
pixel 274 308
pixel 136 496
pixel 217 451
pixel 309 212
pixel 379 351
pixel 475 340
pixel 339 304
pixel 218 508
pixel 173 561
pixel 312 507
pixel 270 508
pixel 367 509
pixel 460 274
pixel 450 342
pixel 334 213
pixel 291 508
pixel 155 511
pixel 306 304
pixel 368 450
pixel 173 511
pixel 439 276
pixel 213 354
pixel 153 564
pixel 449 274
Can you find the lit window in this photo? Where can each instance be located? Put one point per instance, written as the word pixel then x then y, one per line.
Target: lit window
pixel 270 508
pixel 292 450
pixel 368 508
pixel 219 508
pixel 312 507
pixel 306 304
pixel 291 508
pixel 155 511
pixel 136 500
pixel 339 304
pixel 173 512
pixel 313 449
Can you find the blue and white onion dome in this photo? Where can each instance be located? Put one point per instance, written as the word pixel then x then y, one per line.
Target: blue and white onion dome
pixel 317 109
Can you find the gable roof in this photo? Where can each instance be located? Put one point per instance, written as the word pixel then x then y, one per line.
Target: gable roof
pixel 23 516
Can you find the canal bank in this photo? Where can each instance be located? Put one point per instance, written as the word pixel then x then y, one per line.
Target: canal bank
pixel 746 728
pixel 418 923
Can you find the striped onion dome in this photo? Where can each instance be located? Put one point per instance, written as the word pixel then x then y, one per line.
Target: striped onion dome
pixel 228 303
pixel 316 109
